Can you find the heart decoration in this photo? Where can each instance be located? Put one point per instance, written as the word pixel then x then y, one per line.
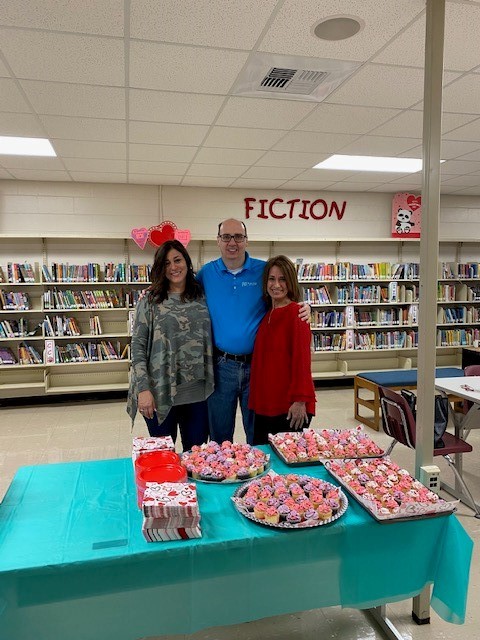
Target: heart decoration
pixel 183 236
pixel 414 202
pixel 140 236
pixel 161 233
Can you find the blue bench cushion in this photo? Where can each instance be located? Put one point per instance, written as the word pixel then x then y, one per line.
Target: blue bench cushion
pixel 399 377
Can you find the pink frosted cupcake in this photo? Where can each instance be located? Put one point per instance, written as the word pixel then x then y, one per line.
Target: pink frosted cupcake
pixel 324 512
pixel 259 510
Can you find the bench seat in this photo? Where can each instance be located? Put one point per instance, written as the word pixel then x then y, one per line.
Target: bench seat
pixel 395 379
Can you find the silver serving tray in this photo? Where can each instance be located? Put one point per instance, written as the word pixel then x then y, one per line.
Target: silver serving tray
pixel 237 499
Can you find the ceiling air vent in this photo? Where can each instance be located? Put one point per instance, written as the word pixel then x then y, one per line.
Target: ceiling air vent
pixel 275 76
pixel 299 81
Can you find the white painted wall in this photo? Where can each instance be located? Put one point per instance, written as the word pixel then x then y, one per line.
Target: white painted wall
pixel 53 209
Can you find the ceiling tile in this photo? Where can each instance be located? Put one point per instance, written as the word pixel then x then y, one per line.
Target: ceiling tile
pixel 389 188
pixel 305 185
pixel 90 149
pixel 292 29
pixel 263 113
pixel 38 174
pixel 31 162
pixel 325 175
pixel 475 155
pixel 461 36
pixel 314 142
pixel 165 106
pixel 410 123
pixel 459 167
pixel 338 118
pixel 375 176
pixel 216 170
pixel 198 181
pixel 62 127
pixel 413 178
pixel 291 159
pixel 137 178
pixel 4 72
pixel 470 191
pixel 161 153
pixel 20 124
pixel 98 176
pixel 265 173
pixel 236 24
pixel 160 168
pixel 11 98
pixel 4 174
pixel 455 148
pixel 88 16
pixel 95 164
pixel 470 131
pixel 377 86
pixel 242 138
pixel 256 184
pixel 357 186
pixel 167 133
pixel 462 181
pixel 463 95
pixel 56 98
pixel 228 156
pixel 181 68
pixel 379 146
pixel 61 57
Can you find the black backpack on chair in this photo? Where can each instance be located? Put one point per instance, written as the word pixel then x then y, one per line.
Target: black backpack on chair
pixel 440 417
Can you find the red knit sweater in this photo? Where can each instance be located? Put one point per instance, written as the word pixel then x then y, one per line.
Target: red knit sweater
pixel 281 366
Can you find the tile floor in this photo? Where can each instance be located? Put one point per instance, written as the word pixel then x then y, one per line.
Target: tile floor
pixel 96 429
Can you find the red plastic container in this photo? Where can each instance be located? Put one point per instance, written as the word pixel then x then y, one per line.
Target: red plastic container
pixel 164 473
pixel 152 459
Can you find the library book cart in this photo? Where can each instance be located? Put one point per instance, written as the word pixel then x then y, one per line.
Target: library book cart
pixel 66 306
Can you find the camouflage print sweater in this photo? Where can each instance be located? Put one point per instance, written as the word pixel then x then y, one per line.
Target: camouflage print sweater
pixel 171 346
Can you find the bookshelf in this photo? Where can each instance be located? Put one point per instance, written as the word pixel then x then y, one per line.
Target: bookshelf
pixel 73 315
pixel 363 317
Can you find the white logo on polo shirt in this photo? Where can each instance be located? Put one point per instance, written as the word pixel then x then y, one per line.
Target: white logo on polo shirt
pixel 249 284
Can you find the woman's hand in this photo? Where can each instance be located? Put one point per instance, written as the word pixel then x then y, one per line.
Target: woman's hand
pixel 297 414
pixel 146 404
pixel 304 311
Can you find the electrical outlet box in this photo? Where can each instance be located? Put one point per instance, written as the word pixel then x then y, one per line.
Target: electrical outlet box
pixel 430 477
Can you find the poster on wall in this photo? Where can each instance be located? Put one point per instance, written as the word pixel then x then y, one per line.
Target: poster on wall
pixel 406 215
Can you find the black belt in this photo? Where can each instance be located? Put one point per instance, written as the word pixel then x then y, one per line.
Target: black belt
pixel 246 358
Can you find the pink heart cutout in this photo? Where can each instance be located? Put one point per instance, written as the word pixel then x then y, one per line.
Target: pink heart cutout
pixel 414 202
pixel 140 236
pixel 183 235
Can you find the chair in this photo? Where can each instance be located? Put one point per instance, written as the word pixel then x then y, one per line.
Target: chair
pixel 399 423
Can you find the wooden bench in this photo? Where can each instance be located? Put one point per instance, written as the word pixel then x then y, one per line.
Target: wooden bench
pixel 394 379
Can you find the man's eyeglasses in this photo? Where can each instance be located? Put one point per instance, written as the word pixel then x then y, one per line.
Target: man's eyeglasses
pixel 238 237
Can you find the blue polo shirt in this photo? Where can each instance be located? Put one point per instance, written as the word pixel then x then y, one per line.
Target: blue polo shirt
pixel 235 303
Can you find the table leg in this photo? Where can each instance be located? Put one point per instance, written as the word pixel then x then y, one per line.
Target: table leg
pixel 421 607
pixel 389 630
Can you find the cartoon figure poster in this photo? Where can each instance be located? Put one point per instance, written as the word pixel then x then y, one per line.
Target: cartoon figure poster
pixel 406 215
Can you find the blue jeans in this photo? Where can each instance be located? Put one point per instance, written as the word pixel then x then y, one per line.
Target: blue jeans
pixel 192 420
pixel 232 383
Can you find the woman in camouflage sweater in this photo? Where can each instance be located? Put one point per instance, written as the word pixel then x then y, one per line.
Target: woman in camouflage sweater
pixel 172 364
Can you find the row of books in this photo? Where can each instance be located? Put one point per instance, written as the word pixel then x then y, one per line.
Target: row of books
pixel 353 271
pixel 16 328
pixel 73 299
pixel 61 326
pixel 361 294
pixel 457 337
pixel 93 272
pixel 365 341
pixel 90 352
pixel 456 315
pixel 26 354
pixel 14 300
pixel 18 272
pixel 402 316
pixel 458 270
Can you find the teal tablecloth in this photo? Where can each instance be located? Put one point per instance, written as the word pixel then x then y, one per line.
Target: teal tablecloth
pixel 74 564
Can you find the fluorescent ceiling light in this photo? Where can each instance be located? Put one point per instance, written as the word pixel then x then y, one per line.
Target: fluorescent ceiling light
pixel 371 163
pixel 12 146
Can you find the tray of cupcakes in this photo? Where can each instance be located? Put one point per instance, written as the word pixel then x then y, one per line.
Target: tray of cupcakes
pixel 307 447
pixel 290 501
pixel 388 492
pixel 228 462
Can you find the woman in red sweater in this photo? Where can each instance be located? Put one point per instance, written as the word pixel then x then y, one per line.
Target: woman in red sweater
pixel 282 393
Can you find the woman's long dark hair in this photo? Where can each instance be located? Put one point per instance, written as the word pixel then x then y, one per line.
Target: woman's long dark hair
pixel 158 291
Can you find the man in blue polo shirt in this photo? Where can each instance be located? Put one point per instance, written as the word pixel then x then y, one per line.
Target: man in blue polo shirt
pixel 233 289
